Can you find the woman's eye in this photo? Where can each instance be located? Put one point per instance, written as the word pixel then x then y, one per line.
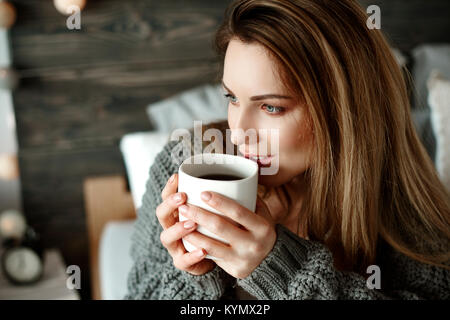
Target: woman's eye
pixel 270 109
pixel 273 110
pixel 230 97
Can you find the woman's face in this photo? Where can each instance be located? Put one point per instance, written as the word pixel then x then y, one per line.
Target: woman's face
pixel 249 73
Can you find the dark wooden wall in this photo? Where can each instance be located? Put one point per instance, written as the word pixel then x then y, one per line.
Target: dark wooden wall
pixel 81 91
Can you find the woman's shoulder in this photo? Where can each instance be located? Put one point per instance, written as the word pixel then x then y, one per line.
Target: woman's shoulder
pixel 216 136
pixel 401 271
pixel 221 125
pixel 202 134
pixel 186 143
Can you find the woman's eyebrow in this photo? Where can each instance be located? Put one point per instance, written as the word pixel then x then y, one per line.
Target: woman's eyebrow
pixel 261 97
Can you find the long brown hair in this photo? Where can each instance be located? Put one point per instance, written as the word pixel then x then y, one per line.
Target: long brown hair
pixel 371 177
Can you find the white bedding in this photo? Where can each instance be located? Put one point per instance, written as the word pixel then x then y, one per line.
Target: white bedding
pixel 439 101
pixel 114 259
pixel 139 150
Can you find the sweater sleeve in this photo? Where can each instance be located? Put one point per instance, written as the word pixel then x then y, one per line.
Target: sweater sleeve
pixel 299 269
pixel 153 275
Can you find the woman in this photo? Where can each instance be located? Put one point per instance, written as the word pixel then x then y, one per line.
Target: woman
pixel 355 190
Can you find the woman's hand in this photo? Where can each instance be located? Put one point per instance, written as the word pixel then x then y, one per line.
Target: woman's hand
pixel 167 214
pixel 248 245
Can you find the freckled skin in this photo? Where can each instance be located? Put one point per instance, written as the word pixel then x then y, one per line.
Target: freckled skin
pixel 249 71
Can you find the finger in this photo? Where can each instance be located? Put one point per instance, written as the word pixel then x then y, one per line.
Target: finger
pixel 165 210
pixel 171 236
pixel 212 246
pixel 187 260
pixel 232 209
pixel 170 187
pixel 213 222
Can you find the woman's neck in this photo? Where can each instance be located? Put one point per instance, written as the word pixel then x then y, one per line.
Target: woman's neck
pixel 294 192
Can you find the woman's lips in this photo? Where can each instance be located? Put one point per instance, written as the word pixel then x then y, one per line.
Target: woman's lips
pixel 263 161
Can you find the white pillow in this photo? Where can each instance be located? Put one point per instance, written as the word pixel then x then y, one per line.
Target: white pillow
pixel 206 103
pixel 439 101
pixel 115 261
pixel 139 150
pixel 402 60
pixel 426 58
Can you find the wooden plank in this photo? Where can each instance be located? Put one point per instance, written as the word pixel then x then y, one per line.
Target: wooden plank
pixel 106 199
pixel 47 166
pixel 63 114
pixel 104 76
pixel 115 30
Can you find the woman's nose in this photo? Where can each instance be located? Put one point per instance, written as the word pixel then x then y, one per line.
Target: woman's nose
pixel 241 134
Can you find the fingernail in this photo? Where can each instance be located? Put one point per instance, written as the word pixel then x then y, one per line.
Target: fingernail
pixel 199 253
pixel 172 178
pixel 183 208
pixel 206 195
pixel 189 224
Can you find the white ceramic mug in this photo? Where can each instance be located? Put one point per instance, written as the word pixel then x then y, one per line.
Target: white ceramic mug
pixel 243 190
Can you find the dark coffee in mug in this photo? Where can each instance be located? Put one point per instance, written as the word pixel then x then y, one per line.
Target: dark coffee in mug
pixel 223 177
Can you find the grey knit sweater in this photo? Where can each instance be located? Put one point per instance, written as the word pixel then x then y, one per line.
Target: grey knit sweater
pixel 295 268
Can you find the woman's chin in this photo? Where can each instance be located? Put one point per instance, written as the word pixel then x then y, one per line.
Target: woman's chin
pixel 268 180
